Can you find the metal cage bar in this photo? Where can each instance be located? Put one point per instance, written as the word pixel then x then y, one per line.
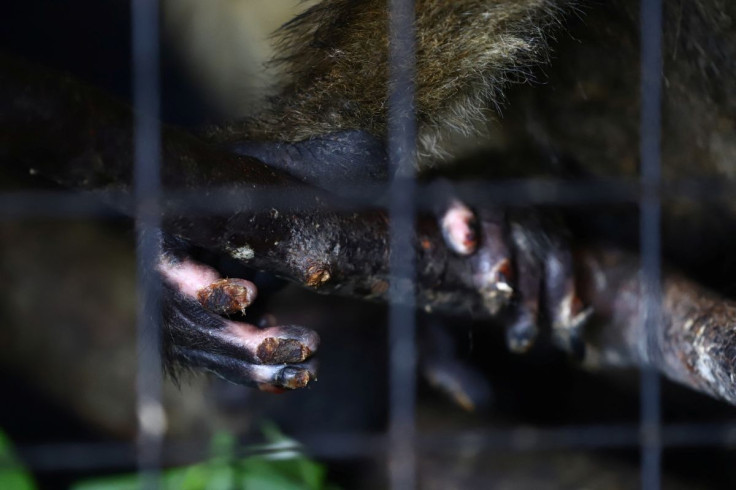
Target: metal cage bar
pixel 401 150
pixel 147 188
pixel 649 136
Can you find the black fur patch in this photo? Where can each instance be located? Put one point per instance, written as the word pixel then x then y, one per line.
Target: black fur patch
pixel 329 161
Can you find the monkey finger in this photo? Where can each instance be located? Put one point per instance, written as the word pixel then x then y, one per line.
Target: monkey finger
pixel 227 296
pixel 265 377
pixel 491 264
pixel 522 330
pixel 459 228
pixel 273 345
pixel 565 309
pixel 186 275
pixel 197 337
pixel 203 283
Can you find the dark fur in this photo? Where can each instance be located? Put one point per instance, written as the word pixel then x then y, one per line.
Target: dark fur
pixel 334 62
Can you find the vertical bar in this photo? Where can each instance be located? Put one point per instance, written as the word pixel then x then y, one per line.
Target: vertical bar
pixel 650 137
pixel 401 151
pixel 147 184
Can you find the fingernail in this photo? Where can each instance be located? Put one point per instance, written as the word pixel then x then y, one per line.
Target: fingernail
pixel 274 350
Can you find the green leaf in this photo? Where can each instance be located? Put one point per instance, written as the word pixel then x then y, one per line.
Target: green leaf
pixel 12 474
pixel 285 469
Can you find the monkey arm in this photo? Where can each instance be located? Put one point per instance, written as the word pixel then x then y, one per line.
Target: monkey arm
pixel 694 341
pixel 82 139
pixel 75 136
pixel 72 134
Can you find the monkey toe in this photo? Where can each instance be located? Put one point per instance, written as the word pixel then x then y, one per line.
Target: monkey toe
pixel 273 345
pixel 293 377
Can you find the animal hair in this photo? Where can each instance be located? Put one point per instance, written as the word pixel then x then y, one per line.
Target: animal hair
pixel 333 60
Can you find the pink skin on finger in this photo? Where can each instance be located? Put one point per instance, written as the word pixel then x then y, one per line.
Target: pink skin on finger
pixel 458 228
pixel 203 283
pixel 187 276
pixel 273 345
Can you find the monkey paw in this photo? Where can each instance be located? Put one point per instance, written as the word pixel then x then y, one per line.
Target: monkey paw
pixel 523 267
pixel 196 333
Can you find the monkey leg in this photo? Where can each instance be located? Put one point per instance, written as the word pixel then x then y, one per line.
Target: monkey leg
pixel 195 298
pixel 77 137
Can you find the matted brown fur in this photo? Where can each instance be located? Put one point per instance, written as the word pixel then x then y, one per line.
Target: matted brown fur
pixel 334 62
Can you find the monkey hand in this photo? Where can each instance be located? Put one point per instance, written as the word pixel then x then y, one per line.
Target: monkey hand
pixel 196 302
pixel 523 269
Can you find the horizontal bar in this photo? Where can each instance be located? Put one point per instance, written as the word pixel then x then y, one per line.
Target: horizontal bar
pixel 225 200
pixel 357 445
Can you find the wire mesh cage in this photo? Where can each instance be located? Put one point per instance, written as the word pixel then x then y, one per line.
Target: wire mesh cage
pixel 407 398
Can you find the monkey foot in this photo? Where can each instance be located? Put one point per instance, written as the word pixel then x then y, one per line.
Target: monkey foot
pixel 273 358
pixel 519 265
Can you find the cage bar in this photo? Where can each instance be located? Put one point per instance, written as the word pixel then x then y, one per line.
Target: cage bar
pixel 147 187
pixel 650 230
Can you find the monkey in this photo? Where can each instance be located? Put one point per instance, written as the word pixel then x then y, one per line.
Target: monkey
pixel 332 102
pixel 328 130
pixel 327 125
